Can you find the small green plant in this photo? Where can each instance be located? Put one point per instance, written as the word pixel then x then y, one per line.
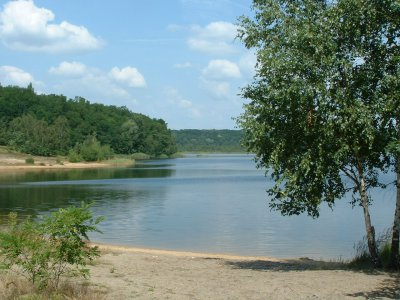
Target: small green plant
pixel 30 161
pixel 59 161
pixel 44 251
pixel 90 150
pixel 362 259
pixel 74 156
pixel 140 156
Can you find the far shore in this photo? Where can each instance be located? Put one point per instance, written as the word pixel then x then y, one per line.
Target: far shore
pixel 65 165
pixel 13 161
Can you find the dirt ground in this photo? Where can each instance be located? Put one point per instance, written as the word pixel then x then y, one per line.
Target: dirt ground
pixel 132 273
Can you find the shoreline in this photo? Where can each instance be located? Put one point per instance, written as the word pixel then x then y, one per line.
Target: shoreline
pixel 125 272
pixel 64 166
pixel 190 254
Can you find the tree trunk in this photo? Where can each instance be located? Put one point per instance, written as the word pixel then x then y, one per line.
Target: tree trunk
pixel 373 249
pixel 394 256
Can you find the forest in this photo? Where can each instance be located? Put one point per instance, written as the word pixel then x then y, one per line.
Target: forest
pixel 196 140
pixel 54 125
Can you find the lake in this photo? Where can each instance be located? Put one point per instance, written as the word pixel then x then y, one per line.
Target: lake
pixel 212 203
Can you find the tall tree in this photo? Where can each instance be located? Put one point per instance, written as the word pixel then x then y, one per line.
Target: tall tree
pixel 314 115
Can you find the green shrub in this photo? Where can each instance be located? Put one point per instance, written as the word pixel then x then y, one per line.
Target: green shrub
pixel 363 259
pixel 74 157
pixel 30 161
pixel 44 251
pixel 59 161
pixel 92 150
pixel 140 156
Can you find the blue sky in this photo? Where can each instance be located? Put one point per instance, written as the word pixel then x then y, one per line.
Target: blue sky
pixel 170 59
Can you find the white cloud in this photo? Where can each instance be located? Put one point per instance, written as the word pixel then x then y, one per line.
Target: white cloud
pixel 248 63
pixel 24 26
pixel 69 69
pixel 215 38
pixel 128 75
pixel 185 65
pixel 219 89
pixel 221 69
pixel 91 83
pixel 10 75
pixel 175 98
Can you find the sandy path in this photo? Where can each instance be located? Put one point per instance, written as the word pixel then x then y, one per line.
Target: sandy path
pixel 127 273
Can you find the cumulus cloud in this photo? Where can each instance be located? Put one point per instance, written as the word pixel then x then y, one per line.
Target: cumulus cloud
pixel 248 63
pixel 10 75
pixel 221 69
pixel 175 98
pixel 215 38
pixel 91 83
pixel 69 69
pixel 26 27
pixel 219 89
pixel 128 75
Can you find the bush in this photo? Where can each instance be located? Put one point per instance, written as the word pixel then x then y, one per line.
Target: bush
pixel 363 259
pixel 140 156
pixel 30 161
pixel 92 150
pixel 44 251
pixel 74 157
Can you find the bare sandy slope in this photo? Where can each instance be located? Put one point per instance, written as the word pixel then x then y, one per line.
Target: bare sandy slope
pixel 129 273
pixel 16 162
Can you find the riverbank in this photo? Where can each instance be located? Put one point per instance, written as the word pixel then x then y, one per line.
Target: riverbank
pixel 126 273
pixel 13 161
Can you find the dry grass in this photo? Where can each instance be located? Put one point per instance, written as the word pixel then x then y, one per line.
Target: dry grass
pixel 13 287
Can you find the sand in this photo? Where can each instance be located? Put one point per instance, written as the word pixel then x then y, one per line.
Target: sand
pixel 10 162
pixel 134 273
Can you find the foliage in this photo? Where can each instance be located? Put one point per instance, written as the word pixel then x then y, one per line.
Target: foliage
pixel 44 251
pixel 30 135
pixel 140 156
pixel 53 124
pixel 362 257
pixel 323 79
pixel 195 140
pixel 90 150
pixel 30 161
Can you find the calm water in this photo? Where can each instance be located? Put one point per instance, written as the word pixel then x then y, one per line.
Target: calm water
pixel 214 204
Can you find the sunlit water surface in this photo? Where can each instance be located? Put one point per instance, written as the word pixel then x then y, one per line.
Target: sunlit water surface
pixel 213 203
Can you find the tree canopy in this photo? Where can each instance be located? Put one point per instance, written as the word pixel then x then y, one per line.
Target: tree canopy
pixel 208 140
pixel 321 105
pixel 53 124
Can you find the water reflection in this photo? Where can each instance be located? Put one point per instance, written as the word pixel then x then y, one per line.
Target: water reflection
pixel 83 174
pixel 212 203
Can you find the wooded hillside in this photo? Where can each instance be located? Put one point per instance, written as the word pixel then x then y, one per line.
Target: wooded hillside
pixel 53 124
pixel 196 140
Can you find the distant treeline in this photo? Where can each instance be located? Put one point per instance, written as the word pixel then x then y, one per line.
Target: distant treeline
pixel 196 140
pixel 55 125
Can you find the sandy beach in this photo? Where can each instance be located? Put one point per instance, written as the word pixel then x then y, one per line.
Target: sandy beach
pixel 135 273
pixel 16 162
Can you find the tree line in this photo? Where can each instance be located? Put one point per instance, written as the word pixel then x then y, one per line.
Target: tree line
pixel 53 125
pixel 204 140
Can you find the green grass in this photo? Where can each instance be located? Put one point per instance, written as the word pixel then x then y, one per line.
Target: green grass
pixel 362 259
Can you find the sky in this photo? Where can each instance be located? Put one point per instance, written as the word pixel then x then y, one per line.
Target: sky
pixel 172 59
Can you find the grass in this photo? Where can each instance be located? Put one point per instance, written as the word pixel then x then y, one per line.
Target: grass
pixel 362 259
pixel 14 287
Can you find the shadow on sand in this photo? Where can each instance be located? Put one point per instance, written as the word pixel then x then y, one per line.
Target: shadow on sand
pixel 301 264
pixel 388 289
